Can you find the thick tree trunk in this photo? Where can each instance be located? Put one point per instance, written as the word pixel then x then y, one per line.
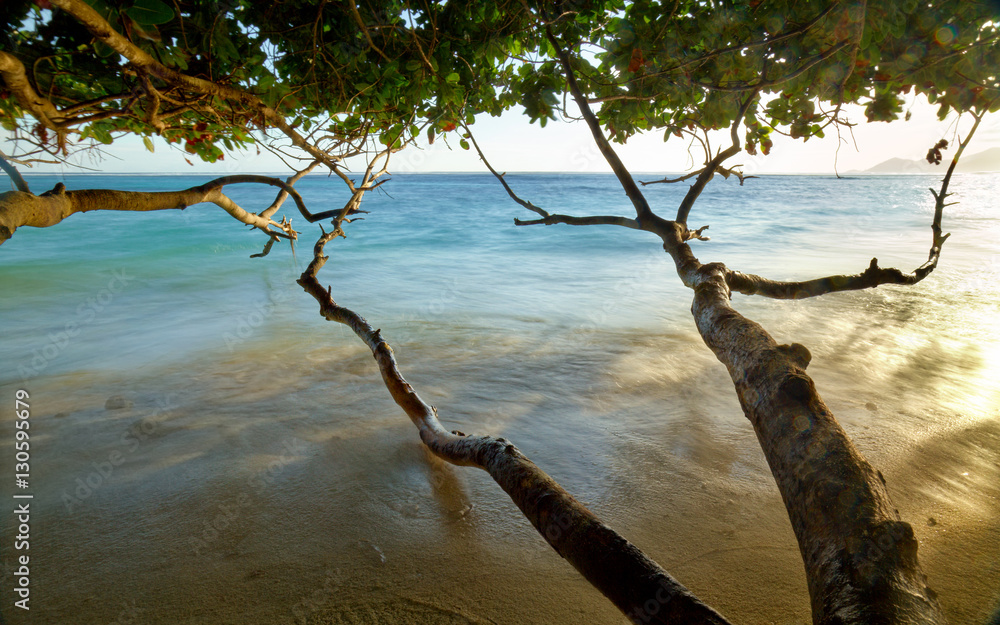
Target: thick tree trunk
pixel 860 558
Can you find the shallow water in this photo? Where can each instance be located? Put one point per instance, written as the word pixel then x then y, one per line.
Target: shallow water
pixel 260 473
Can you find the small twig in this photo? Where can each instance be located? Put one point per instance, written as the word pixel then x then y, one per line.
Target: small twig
pixel 714 164
pixel 500 177
pixel 283 195
pixel 364 29
pixel 267 248
pixel 873 276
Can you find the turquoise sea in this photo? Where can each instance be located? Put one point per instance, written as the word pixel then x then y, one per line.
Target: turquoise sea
pixel 205 448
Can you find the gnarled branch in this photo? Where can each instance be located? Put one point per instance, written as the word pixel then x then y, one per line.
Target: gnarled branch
pixel 860 557
pixel 634 583
pixel 21 208
pixel 873 276
pixel 592 220
pixel 14 76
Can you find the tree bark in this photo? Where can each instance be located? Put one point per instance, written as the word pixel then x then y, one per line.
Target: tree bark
pixel 860 558
pixel 22 208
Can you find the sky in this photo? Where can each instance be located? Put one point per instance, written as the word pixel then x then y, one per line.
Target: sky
pixel 512 144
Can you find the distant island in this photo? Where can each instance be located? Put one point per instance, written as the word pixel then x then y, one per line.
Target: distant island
pixel 987 161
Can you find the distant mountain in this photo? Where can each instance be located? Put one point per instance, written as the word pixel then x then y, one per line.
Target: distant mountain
pixel 983 161
pixel 986 161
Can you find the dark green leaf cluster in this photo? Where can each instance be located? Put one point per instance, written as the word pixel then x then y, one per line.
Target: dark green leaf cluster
pixel 342 73
pixel 684 65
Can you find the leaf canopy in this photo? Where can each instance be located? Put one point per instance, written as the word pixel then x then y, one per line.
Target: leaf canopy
pixel 205 73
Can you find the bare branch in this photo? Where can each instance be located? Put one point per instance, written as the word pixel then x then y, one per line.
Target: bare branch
pixel 633 582
pixel 939 201
pixel 546 217
pixel 874 276
pixel 20 208
pixel 274 182
pixel 687 176
pixel 725 171
pixel 267 248
pixel 624 177
pixel 500 177
pixel 283 194
pixel 706 174
pixel 606 220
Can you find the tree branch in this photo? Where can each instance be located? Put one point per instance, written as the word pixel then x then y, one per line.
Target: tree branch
pixel 548 218
pixel 767 84
pixel 635 584
pixel 103 31
pixel 500 177
pixel 725 171
pixel 745 46
pixel 21 208
pixel 874 276
pixel 283 194
pixel 860 558
pixel 624 177
pixel 364 29
pixel 14 76
pixel 708 172
pixel 938 239
pixel 594 220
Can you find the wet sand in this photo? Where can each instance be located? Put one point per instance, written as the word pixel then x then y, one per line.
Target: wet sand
pixel 279 484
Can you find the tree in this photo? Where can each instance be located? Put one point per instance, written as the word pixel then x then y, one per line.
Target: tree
pixel 331 82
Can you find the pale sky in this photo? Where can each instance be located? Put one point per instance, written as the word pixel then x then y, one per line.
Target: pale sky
pixel 512 144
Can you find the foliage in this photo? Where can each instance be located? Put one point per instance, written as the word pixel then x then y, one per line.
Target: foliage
pixel 345 73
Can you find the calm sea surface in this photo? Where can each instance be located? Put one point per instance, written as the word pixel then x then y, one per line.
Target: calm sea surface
pixel 258 472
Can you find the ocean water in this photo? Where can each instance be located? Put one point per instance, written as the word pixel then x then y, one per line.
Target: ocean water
pixel 258 472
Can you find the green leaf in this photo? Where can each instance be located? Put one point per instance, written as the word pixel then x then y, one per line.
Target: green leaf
pixel 148 143
pixel 150 12
pixel 452 78
pixel 103 50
